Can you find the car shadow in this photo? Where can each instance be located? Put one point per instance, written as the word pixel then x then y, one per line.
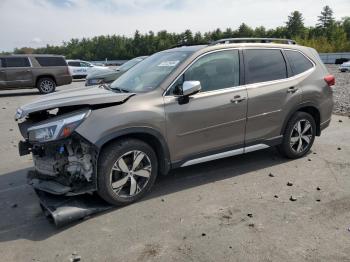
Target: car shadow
pixel 17 93
pixel 22 218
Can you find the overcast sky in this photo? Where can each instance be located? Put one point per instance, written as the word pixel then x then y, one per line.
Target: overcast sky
pixel 36 23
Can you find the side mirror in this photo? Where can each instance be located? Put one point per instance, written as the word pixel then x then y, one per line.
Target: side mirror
pixel 191 88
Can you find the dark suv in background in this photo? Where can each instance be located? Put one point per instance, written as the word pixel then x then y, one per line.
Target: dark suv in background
pixel 44 72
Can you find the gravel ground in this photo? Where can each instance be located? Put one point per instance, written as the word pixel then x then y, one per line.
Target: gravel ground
pixel 341 91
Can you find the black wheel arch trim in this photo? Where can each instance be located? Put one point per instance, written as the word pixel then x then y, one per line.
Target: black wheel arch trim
pixel 164 157
pixel 296 109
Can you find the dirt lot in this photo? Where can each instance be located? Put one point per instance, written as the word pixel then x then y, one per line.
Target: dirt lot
pixel 226 210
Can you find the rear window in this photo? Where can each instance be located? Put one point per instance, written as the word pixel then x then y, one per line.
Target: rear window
pixel 264 65
pixel 51 61
pixel 74 63
pixel 16 62
pixel 298 62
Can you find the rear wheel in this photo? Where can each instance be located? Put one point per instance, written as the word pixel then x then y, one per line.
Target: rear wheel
pixel 299 135
pixel 127 170
pixel 46 85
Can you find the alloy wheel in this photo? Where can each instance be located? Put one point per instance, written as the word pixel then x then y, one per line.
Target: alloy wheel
pixel 130 174
pixel 46 86
pixel 301 136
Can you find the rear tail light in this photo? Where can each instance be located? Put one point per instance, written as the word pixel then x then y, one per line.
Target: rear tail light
pixel 330 80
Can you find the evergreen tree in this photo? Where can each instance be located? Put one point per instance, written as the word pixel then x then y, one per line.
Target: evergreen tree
pixel 295 25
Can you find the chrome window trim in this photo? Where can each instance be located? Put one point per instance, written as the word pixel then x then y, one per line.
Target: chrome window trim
pixel 247 86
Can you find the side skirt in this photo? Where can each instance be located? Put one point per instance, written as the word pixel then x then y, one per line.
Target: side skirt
pixel 238 151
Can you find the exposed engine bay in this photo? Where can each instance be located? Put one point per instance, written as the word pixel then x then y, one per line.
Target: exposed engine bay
pixel 65 166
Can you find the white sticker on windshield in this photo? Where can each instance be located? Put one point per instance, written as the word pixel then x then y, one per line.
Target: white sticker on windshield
pixel 169 63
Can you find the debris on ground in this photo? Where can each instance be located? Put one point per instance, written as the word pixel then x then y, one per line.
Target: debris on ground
pixel 309 159
pixel 318 200
pixel 318 188
pixel 276 196
pixel 250 215
pixel 162 200
pixel 292 198
pixel 289 184
pixel 204 234
pixel 75 257
pixel 339 148
pixel 14 205
pixel 340 121
pixel 251 225
pixel 271 175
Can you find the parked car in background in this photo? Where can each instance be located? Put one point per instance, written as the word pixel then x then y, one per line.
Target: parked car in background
pixel 80 69
pixel 345 67
pixel 108 76
pixel 44 72
pixel 179 107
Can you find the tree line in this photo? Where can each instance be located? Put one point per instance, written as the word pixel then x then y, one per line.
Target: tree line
pixel 328 35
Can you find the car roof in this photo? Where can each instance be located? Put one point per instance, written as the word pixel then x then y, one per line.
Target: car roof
pixel 30 55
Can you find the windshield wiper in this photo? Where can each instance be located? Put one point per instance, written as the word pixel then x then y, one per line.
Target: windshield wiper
pixel 121 90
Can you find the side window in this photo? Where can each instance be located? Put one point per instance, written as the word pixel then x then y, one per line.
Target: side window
pixel 17 62
pixel 51 61
pixel 298 62
pixel 84 64
pixel 264 65
pixel 215 71
pixel 74 63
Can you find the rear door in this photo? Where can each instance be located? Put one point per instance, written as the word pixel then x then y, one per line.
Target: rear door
pixel 213 121
pixel 18 72
pixel 272 93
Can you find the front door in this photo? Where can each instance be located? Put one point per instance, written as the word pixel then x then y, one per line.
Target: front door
pixel 213 121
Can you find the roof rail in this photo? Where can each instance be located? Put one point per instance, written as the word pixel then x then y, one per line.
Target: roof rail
pixel 254 40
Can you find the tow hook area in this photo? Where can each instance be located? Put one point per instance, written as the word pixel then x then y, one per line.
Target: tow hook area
pixel 63 210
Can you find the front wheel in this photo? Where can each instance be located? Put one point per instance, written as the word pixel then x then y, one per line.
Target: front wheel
pixel 126 171
pixel 299 135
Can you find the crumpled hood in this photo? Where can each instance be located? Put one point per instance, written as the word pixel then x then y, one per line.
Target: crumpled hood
pixel 81 96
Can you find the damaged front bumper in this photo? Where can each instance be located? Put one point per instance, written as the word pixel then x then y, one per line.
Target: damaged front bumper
pixel 66 167
pixel 64 173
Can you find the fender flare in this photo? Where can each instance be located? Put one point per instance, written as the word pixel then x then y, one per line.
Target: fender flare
pixel 162 150
pixel 294 110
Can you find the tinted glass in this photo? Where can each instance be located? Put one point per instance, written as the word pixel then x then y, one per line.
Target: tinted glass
pixel 51 61
pixel 215 71
pixel 84 64
pixel 264 65
pixel 298 62
pixel 74 63
pixel 151 72
pixel 17 62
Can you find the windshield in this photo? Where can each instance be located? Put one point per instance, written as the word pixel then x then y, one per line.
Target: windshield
pixel 148 74
pixel 126 66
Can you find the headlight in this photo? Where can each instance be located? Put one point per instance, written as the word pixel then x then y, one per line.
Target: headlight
pixel 58 129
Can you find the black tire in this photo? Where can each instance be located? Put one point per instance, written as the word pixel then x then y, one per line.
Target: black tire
pixel 289 148
pixel 46 85
pixel 107 160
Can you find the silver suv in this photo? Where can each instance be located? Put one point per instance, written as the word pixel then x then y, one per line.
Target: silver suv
pixel 178 107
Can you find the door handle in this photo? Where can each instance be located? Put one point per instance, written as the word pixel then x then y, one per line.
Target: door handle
pixel 237 99
pixel 292 90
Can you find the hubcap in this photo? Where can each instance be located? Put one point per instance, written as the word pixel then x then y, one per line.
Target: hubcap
pixel 130 173
pixel 301 136
pixel 46 86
